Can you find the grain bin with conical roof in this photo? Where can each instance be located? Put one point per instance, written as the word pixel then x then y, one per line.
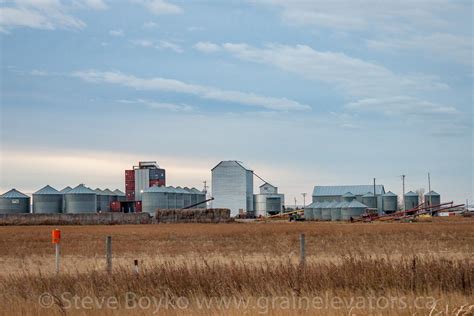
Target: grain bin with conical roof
pixel 326 211
pixel 157 197
pixel 80 200
pixel 348 196
pixel 120 195
pixel 318 206
pixel 390 202
pixel 370 200
pixel 352 209
pixel 308 212
pixel 47 200
pixel 336 212
pixel 14 202
pixel 412 200
pixel 432 198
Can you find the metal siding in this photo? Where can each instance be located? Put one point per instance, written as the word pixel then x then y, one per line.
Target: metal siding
pixel 80 203
pixel 231 187
pixel 14 205
pixel 47 203
pixel 142 182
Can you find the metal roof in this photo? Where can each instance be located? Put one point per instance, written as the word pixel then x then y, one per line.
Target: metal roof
pixel 99 192
pixel 196 191
pixel 240 163
pixel 411 193
pixel 14 194
pixel 108 192
pixel 47 190
pixel 348 194
pixel 339 190
pixel 81 189
pixel 368 194
pixel 118 192
pixel 355 204
pixel 389 193
pixel 432 193
pixel 65 190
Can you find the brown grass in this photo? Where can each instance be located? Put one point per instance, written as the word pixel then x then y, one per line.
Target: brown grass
pixel 245 261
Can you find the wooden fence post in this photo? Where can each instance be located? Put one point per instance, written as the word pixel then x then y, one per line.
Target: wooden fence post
pixel 108 253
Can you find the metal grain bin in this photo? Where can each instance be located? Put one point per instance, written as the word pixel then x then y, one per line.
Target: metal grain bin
pixel 317 210
pixel 308 212
pixel 390 202
pixel 337 210
pixel 370 200
pixel 14 202
pixel 411 200
pixel 432 198
pixel 102 200
pixel 353 209
pixel 112 197
pixel 348 196
pixel 47 200
pixel 80 200
pixel 154 198
pixel 194 195
pixel 187 197
pixel 179 197
pixel 120 195
pixel 64 191
pixel 326 211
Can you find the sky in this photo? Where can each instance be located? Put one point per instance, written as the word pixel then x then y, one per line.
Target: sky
pixel 305 92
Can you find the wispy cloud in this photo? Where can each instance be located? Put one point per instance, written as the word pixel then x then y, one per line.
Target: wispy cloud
pixel 160 105
pixel 149 25
pixel 162 44
pixel 45 14
pixel 207 47
pixel 116 33
pixel 206 92
pixel 159 7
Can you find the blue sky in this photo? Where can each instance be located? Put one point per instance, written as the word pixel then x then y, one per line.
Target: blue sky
pixel 306 92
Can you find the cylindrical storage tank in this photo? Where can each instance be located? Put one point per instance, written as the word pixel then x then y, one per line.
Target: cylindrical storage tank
pixel 432 198
pixel 171 194
pixel 411 200
pixel 326 211
pixel 102 200
pixel 111 197
pixel 317 210
pixel 14 202
pixel 187 197
pixel 154 198
pixel 64 191
pixel 352 209
pixel 80 200
pixel 370 200
pixel 348 196
pixel 47 200
pixel 337 209
pixel 179 197
pixel 308 212
pixel 390 202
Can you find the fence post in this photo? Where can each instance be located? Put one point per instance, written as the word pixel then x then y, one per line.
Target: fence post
pixel 57 258
pixel 108 253
pixel 135 266
pixel 302 250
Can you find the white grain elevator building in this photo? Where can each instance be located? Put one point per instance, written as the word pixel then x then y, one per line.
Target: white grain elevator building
pixel 232 186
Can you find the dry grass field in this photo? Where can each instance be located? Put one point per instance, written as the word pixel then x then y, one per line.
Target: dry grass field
pixel 357 269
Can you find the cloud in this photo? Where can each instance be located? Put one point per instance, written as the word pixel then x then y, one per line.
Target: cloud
pixel 440 46
pixel 47 14
pixel 353 76
pixel 95 4
pixel 206 92
pixel 149 25
pixel 403 106
pixel 159 7
pixel 142 43
pixel 169 45
pixel 39 73
pixel 207 47
pixel 161 105
pixel 116 33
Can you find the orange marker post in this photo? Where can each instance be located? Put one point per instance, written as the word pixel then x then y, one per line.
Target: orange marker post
pixel 56 239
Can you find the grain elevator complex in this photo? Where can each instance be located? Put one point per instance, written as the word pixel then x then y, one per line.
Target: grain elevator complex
pixel 232 188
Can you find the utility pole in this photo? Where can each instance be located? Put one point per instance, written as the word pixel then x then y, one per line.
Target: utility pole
pixel 429 188
pixel 304 199
pixel 295 204
pixel 403 196
pixel 375 195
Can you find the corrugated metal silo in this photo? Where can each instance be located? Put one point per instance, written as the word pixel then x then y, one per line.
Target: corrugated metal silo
pixel 154 198
pixel 64 191
pixel 179 197
pixel 326 211
pixel 412 200
pixel 352 209
pixel 317 209
pixel 187 196
pixel 47 200
pixel 390 202
pixel 370 200
pixel 308 212
pixel 120 195
pixel 194 196
pixel 337 210
pixel 80 200
pixel 102 200
pixel 171 197
pixel 432 198
pixel 14 202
